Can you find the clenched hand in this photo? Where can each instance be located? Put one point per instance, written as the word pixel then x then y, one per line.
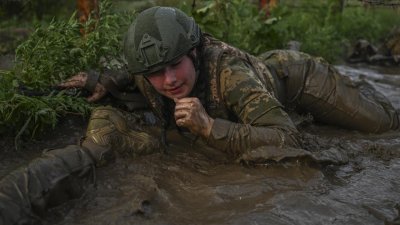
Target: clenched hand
pixel 190 113
pixel 79 81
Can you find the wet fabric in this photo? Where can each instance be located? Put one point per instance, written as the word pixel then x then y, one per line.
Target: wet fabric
pixel 109 128
pixel 59 175
pixel 312 85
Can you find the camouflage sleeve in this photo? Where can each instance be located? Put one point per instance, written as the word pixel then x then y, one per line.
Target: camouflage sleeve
pixel 261 118
pixel 116 79
pixel 57 176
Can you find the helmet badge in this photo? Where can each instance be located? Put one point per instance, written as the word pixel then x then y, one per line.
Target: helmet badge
pixel 151 51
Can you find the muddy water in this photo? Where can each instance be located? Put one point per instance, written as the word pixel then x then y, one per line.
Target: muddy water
pixel 186 187
pixel 193 184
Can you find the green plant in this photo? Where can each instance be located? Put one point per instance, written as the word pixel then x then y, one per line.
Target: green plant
pixel 237 22
pixel 50 55
pixel 320 26
pixel 310 23
pixel 32 115
pixel 371 25
pixel 54 53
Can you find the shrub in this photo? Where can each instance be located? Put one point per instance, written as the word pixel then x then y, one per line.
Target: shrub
pixel 50 55
pixel 320 27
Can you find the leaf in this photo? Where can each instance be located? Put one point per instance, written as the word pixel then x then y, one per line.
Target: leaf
pixel 270 21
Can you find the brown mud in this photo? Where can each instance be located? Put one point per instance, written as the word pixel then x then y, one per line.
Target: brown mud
pixel 192 184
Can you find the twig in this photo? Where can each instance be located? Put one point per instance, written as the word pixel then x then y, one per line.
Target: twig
pixel 20 132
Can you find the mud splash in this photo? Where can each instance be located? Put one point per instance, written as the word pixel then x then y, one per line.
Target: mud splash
pixel 193 184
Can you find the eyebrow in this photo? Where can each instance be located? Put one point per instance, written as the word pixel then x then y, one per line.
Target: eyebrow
pixel 177 61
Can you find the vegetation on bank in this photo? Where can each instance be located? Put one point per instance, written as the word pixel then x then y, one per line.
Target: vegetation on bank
pixel 29 101
pixel 56 50
pixel 320 26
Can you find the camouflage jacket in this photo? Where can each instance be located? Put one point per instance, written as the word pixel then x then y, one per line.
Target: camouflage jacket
pixel 238 91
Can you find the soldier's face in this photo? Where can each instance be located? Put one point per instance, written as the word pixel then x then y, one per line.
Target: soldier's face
pixel 176 80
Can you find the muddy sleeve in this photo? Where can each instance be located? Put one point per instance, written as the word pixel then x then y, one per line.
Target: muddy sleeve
pixel 52 179
pixel 261 118
pixel 116 80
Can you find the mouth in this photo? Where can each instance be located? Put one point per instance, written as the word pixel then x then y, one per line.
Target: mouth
pixel 175 90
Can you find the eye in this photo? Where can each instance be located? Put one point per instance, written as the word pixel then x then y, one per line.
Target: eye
pixel 175 64
pixel 155 74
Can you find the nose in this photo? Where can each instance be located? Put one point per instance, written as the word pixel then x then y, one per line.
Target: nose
pixel 170 76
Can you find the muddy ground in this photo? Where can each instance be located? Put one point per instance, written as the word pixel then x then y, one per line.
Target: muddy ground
pixel 198 185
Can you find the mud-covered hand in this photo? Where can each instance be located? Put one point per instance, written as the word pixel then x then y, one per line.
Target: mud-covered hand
pixel 83 80
pixel 190 113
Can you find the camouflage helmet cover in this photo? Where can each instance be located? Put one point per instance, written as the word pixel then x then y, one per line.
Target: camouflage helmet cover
pixel 158 37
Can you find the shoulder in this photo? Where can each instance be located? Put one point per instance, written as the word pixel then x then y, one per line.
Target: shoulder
pixel 213 46
pixel 237 73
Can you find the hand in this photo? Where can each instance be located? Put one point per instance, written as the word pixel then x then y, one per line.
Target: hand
pixel 79 80
pixel 190 113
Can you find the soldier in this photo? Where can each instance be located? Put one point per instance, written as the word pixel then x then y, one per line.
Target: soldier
pixel 232 100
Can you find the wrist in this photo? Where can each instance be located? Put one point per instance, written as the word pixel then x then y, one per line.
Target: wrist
pixel 208 129
pixel 92 78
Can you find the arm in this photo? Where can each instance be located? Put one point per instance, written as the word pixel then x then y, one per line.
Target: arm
pixel 112 81
pixel 56 177
pixel 261 118
pixel 52 179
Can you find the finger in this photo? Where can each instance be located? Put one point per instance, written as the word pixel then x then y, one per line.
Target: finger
pixel 188 103
pixel 94 97
pixel 180 114
pixel 99 92
pixel 183 112
pixel 184 106
pixel 183 100
pixel 77 80
pixel 72 84
pixel 180 123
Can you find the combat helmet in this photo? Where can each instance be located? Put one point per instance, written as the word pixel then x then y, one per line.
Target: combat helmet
pixel 158 37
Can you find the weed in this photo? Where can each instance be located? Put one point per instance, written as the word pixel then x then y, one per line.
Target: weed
pixel 50 55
